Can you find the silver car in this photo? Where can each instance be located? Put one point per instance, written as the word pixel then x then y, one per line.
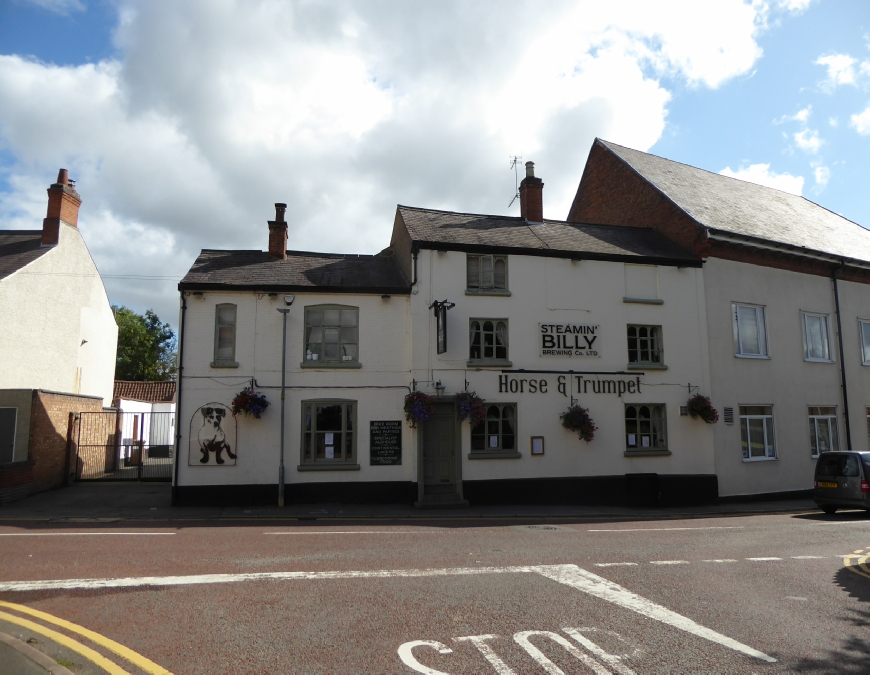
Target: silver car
pixel 842 481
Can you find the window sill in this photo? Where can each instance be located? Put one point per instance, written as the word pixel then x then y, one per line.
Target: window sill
pixel 647 453
pixel 502 292
pixel 749 460
pixel 328 467
pixel 751 356
pixel 488 363
pixel 495 454
pixel 224 364
pixel 818 360
pixel 646 366
pixel 330 364
pixel 644 301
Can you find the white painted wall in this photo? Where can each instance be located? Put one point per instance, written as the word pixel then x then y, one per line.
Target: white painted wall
pixel 49 308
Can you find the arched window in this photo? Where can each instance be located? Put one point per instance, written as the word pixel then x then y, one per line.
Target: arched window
pixel 498 432
pixel 645 427
pixel 645 344
pixel 488 340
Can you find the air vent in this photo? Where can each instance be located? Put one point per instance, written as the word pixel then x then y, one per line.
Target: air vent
pixel 684 411
pixel 728 415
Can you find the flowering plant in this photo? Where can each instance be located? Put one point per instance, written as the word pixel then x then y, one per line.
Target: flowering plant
pixel 700 406
pixel 418 408
pixel 578 419
pixel 249 402
pixel 471 407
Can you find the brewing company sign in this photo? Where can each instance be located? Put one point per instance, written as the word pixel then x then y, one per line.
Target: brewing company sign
pixel 569 339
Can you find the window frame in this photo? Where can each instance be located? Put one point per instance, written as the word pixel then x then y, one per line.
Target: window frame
pixel 659 350
pixel 500 452
pixel 480 288
pixel 865 352
pixel 826 336
pixel 833 428
pixel 638 450
pixel 744 423
pixel 764 343
pixel 484 360
pixel 218 361
pixel 329 363
pixel 312 463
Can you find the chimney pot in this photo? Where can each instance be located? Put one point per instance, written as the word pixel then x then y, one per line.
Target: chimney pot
pixel 530 169
pixel 531 196
pixel 279 212
pixel 63 206
pixel 62 177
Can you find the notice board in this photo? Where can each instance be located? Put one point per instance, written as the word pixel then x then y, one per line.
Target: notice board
pixel 385 443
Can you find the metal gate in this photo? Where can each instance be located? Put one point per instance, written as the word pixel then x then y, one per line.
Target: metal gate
pixel 125 446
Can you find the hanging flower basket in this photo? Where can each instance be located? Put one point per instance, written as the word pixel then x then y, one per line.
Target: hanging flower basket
pixel 471 407
pixel 700 406
pixel 418 408
pixel 249 403
pixel 578 419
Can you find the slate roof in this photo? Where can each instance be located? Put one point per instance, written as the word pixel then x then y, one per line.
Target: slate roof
pixel 738 207
pixel 552 237
pixel 301 270
pixel 148 392
pixel 19 248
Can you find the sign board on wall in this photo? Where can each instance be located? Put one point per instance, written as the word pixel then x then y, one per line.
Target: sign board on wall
pixel 569 339
pixel 441 324
pixel 385 442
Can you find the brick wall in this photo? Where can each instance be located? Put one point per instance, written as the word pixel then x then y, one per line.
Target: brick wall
pixel 49 424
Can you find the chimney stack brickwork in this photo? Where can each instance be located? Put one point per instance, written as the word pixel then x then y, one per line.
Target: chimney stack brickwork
pixel 63 206
pixel 278 234
pixel 531 196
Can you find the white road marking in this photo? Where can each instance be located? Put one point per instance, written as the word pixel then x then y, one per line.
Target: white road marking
pixel 489 654
pixel 599 587
pixel 763 559
pixel 810 557
pixel 668 562
pixel 523 640
pixel 795 597
pixel 720 560
pixel 570 575
pixel 354 532
pixel 87 534
pixel 614 661
pixel 407 655
pixel 620 564
pixel 671 529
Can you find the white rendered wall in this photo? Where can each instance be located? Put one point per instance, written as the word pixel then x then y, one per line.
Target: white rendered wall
pixel 49 308
pixel 786 380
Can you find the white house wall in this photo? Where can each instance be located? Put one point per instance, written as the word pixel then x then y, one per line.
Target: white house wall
pixel 50 307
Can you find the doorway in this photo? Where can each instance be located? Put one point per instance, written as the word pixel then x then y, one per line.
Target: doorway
pixel 439 447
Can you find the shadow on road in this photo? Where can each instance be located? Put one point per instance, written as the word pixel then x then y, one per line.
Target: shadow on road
pixel 840 516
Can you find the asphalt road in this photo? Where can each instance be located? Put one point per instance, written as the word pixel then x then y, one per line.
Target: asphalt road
pixel 757 594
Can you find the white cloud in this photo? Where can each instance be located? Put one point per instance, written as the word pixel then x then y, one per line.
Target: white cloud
pixel 216 109
pixel 841 70
pixel 796 6
pixel 801 115
pixel 861 122
pixel 833 122
pixel 762 175
pixel 822 174
pixel 808 140
pixel 60 6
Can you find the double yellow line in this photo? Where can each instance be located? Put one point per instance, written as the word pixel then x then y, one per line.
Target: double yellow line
pixel 857 562
pixel 91 655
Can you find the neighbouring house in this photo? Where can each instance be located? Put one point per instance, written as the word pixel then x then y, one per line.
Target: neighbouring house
pixel 57 346
pixel 786 296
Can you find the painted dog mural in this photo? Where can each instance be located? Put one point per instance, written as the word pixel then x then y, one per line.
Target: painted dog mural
pixel 214 437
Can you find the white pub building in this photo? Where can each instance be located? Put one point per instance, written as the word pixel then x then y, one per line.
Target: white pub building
pixel 665 282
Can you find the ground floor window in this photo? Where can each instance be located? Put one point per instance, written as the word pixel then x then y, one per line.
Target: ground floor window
pixel 328 432
pixel 645 427
pixel 498 432
pixel 756 432
pixel 823 430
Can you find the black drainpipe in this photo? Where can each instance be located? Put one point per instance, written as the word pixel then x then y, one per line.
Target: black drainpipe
pixel 842 362
pixel 414 252
pixel 178 399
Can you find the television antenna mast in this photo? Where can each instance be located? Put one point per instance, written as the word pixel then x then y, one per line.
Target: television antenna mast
pixel 515 162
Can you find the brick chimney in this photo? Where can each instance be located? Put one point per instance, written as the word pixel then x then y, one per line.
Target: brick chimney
pixel 63 205
pixel 531 196
pixel 278 234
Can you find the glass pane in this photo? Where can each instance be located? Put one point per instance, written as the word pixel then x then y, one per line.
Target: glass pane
pixel 744 437
pixel 756 410
pixel 747 319
pixel 307 448
pixel 849 465
pixel 757 447
pixel 814 447
pixel 824 435
pixel 348 422
pixel 865 340
pixel 486 271
pixel 835 439
pixel 348 334
pixel 226 314
pixel 500 273
pixel 815 348
pixel 330 351
pixel 630 412
pixel 348 446
pixel 348 317
pixel 315 336
pixel 329 417
pixel 473 271
pixel 331 317
pixel 771 445
pixel 826 410
pixel 478 435
pixel 330 335
pixel 314 317
pixel 307 418
pixel 348 352
pixel 225 337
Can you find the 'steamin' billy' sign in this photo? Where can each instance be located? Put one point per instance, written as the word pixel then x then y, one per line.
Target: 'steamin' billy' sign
pixel 569 339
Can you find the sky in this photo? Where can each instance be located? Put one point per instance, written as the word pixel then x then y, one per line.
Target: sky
pixel 184 122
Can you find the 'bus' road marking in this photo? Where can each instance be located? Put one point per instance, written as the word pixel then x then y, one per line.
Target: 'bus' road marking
pixel 671 529
pixel 86 534
pixel 570 575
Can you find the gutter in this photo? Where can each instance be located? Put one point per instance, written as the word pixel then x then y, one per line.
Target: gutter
pixel 178 399
pixel 718 235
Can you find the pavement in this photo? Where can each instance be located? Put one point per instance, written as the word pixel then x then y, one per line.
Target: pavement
pixel 152 501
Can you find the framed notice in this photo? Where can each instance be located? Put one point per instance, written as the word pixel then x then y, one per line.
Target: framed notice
pixel 385 443
pixel 537 445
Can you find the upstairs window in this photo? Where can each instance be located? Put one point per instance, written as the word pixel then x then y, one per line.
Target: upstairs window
pixel 486 273
pixel 488 341
pixel 750 334
pixel 225 336
pixel 645 344
pixel 864 327
pixel 331 336
pixel 816 343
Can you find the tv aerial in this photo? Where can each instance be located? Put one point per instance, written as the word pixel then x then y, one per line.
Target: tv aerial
pixel 516 160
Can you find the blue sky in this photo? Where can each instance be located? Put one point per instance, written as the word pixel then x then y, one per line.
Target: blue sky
pixel 185 122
